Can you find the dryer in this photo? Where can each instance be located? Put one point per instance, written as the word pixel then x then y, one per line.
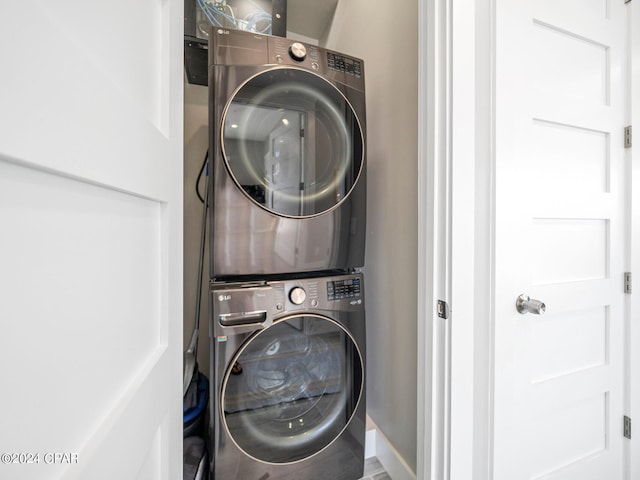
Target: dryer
pixel 287 149
pixel 288 383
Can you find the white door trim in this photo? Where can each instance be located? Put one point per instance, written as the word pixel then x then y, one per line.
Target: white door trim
pixel 433 237
pixel 456 67
pixel 472 221
pixel 471 162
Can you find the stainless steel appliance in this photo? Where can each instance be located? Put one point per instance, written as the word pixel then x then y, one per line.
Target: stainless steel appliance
pixel 287 148
pixel 288 381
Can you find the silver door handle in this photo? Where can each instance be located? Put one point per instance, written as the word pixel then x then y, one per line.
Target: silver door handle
pixel 524 304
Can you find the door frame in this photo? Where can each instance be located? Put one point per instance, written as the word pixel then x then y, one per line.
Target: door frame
pixel 433 101
pixel 456 222
pixel 455 202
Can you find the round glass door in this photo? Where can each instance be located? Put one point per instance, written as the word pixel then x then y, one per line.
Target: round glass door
pixel 292 389
pixel 292 142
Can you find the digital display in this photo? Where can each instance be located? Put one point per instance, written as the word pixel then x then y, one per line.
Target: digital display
pixel 344 64
pixel 339 289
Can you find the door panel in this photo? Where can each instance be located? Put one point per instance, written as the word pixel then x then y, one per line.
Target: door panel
pixel 560 150
pixel 560 238
pixel 91 250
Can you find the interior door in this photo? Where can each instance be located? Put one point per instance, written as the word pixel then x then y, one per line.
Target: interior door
pixel 561 238
pixel 91 243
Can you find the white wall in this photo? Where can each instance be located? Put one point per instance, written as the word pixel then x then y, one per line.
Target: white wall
pixel 387 40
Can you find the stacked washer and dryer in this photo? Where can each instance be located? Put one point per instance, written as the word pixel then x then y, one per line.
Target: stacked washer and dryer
pixel 287 202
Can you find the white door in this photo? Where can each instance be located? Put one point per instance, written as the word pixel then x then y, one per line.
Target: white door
pixel 561 238
pixel 91 239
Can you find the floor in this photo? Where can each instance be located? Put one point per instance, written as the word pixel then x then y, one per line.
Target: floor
pixel 373 470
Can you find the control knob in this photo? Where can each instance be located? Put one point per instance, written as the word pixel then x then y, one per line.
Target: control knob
pixel 298 51
pixel 297 295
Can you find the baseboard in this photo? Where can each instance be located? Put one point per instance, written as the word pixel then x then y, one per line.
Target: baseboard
pixel 370 443
pixel 377 445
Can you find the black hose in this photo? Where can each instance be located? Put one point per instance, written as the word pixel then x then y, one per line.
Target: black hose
pixel 204 163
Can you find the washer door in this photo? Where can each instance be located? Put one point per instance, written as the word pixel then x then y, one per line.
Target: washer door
pixel 292 389
pixel 292 142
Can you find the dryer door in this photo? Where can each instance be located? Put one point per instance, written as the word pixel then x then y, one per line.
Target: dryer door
pixel 292 389
pixel 292 142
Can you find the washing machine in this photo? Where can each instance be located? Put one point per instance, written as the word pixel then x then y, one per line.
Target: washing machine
pixel 287 148
pixel 288 386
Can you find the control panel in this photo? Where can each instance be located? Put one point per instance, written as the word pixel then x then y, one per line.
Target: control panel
pixel 283 51
pixel 339 289
pixel 341 292
pixel 344 64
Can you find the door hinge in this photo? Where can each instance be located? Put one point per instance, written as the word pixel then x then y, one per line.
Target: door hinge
pixel 627 282
pixel 302 133
pixel 627 427
pixel 443 309
pixel 627 137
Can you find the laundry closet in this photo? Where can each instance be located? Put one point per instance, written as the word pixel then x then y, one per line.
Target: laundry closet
pixel 390 238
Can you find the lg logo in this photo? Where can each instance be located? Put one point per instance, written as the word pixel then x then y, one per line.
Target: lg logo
pixel 224 298
pixel 223 32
